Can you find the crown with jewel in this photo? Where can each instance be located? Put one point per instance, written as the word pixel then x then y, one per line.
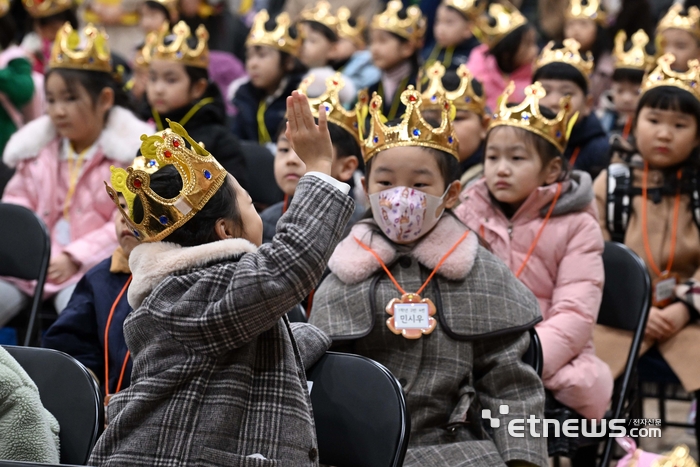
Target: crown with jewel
pixel 354 34
pixel 201 174
pixel 90 52
pixel 586 9
pixel 411 28
pixel 675 20
pixel 44 8
pixel 413 130
pixel 330 99
pixel 470 9
pixel 462 98
pixel 527 115
pixel 118 178
pixel 663 75
pixel 636 57
pixel 320 13
pixel 500 20
pixel 569 54
pixel 177 48
pixel 279 38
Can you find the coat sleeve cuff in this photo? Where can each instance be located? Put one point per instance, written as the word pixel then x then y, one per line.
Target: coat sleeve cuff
pixel 344 187
pixel 689 293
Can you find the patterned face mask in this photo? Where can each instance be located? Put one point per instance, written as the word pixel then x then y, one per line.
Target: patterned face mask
pixel 406 214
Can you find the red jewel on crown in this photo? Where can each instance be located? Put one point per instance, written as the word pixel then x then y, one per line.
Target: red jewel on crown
pixel 412 98
pixel 167 154
pixel 335 82
pixel 176 143
pixel 137 182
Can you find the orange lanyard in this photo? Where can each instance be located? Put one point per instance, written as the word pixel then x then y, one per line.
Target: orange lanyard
pixel 539 232
pixel 574 156
pixel 425 284
pixel 674 228
pixel 628 128
pixel 286 204
pixel 128 354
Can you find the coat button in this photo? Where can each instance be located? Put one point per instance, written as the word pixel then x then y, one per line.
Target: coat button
pixel 313 454
pixel 403 382
pixel 405 262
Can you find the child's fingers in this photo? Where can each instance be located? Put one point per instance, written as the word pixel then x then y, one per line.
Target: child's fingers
pixel 291 116
pixel 322 119
pixel 299 110
pixel 306 112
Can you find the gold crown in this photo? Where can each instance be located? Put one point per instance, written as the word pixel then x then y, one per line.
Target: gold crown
pixel 201 176
pixel 278 38
pixel 569 54
pixel 527 115
pixel 354 34
pixel 462 98
pixel 44 8
pixel 636 57
pixel 118 178
pixel 591 10
pixel 320 13
pixel 330 99
pixel 663 75
pixel 470 9
pixel 143 53
pixel 506 18
pixel 411 28
pixel 178 50
pixel 90 52
pixel 413 129
pixel 675 20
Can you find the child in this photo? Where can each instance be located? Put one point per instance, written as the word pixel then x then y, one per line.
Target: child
pixel 48 17
pixel 63 158
pixel 648 200
pixel 564 72
pixel 678 34
pixel 155 13
pixel 541 221
pixel 454 40
pixel 506 53
pixel 350 55
pixel 396 38
pixel 472 360
pixel 619 105
pixel 179 89
pixel 274 72
pixel 218 376
pixel 227 31
pixel 289 168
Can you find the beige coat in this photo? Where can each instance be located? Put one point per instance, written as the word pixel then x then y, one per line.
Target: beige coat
pixel 612 345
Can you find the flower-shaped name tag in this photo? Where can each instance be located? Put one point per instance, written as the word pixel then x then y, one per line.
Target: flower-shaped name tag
pixel 411 316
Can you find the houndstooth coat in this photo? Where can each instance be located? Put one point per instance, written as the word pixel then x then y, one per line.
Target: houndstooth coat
pixel 217 375
pixel 472 359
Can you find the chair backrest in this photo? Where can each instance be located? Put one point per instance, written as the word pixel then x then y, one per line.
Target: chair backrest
pixel 533 354
pixel 25 245
pixel 360 412
pixel 69 392
pixel 261 174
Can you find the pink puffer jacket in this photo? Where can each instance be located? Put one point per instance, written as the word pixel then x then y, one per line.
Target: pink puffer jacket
pixel 565 272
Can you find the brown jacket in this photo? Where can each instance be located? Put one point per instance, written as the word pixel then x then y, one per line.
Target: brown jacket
pixel 611 345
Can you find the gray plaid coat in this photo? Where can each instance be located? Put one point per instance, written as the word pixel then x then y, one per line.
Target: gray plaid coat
pixel 472 359
pixel 217 374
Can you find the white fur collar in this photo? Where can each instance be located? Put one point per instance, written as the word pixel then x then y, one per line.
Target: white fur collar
pixel 119 141
pixel 352 264
pixel 150 263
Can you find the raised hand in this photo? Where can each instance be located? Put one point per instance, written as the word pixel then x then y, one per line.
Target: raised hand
pixel 311 142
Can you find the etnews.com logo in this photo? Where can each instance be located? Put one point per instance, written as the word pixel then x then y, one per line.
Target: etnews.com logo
pixel 573 428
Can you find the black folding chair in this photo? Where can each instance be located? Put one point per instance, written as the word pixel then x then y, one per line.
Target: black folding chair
pixel 360 412
pixel 533 354
pixel 25 250
pixel 69 392
pixel 261 175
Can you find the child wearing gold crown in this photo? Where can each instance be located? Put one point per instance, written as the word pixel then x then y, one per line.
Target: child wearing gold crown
pixel 47 19
pixel 454 40
pixel 541 221
pixel 648 199
pixel 416 264
pixel 62 158
pixel 678 34
pixel 218 373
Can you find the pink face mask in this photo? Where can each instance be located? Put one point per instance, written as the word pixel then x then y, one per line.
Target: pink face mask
pixel 406 214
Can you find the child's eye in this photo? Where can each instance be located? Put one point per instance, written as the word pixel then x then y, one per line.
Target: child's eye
pixel 384 183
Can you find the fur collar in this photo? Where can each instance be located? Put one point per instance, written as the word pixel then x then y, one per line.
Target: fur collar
pixel 352 264
pixel 150 263
pixel 120 140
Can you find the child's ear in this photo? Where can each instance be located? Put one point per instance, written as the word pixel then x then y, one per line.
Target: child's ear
pixel 452 196
pixel 363 181
pixel 105 101
pixel 553 169
pixel 589 105
pixel 199 88
pixel 225 228
pixel 347 166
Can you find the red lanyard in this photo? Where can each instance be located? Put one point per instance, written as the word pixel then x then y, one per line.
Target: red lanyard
pixel 574 156
pixel 628 128
pixel 106 352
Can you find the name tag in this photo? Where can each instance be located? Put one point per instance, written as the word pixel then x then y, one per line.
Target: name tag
pixel 61 232
pixel 664 290
pixel 411 315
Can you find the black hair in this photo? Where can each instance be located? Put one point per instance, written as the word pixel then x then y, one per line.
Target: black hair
pixel 93 82
pixel 153 5
pixel 8 29
pixel 507 48
pixel 167 182
pixel 68 15
pixel 628 75
pixel 461 13
pixel 322 29
pixel 451 81
pixel 602 43
pixel 633 16
pixel 564 72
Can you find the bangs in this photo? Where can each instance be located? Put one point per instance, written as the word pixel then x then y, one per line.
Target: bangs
pixel 564 72
pixel 670 98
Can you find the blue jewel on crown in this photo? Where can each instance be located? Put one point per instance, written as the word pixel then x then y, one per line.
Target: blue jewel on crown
pixel 136 233
pixel 416 132
pixel 450 139
pixel 151 162
pixel 207 174
pixel 558 134
pixel 375 140
pixel 178 54
pixel 467 99
pixel 434 98
pixel 163 220
pixel 525 116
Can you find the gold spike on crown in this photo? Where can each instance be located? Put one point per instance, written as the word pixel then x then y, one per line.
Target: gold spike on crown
pixel 354 34
pixel 663 75
pixel 413 129
pixel 90 52
pixel 675 20
pixel 506 18
pixel 4 7
pixel 144 52
pixel 470 9
pixel 678 457
pixel 178 49
pixel 462 98
pixel 636 57
pixel 278 38
pixel 411 28
pixel 330 99
pixel 320 13
pixel 201 174
pixel 569 54
pixel 591 10
pixel 44 8
pixel 527 115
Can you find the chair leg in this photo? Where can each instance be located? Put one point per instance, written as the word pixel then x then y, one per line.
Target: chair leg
pixel 662 403
pixel 697 420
